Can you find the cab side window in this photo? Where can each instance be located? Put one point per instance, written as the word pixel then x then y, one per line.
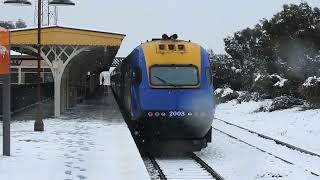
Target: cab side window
pixel 136 75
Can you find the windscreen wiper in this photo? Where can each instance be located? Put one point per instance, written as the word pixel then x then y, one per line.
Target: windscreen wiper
pixel 164 81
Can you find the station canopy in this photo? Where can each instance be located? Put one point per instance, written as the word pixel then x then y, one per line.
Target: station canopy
pixel 96 49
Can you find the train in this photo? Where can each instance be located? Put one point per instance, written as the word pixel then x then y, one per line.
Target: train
pixel 165 89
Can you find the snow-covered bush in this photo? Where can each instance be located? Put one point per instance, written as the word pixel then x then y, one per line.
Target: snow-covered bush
pixel 225 72
pixel 225 94
pixel 270 85
pixel 262 83
pixel 249 96
pixel 278 80
pixel 285 102
pixel 281 86
pixel 311 89
pixel 264 107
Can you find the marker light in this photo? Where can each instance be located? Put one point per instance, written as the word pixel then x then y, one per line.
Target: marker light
pixel 162 47
pixel 181 47
pixel 157 114
pixel 171 47
pixel 163 114
pixel 150 114
pixel 190 114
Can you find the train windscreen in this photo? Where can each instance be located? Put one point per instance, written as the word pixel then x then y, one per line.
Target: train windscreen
pixel 174 75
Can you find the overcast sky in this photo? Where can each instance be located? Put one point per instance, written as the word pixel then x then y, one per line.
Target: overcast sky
pixel 206 22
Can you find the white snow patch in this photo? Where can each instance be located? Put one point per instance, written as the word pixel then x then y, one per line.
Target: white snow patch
pixel 218 91
pixel 234 160
pixel 72 149
pixel 16 53
pixel 281 81
pixel 238 71
pixel 310 81
pixel 226 92
pixel 279 21
pixel 296 127
pixel 307 162
pixel 258 76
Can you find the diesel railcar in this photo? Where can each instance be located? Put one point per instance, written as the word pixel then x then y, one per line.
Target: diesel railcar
pixel 165 88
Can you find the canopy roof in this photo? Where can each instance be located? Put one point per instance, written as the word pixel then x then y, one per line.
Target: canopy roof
pixel 58 35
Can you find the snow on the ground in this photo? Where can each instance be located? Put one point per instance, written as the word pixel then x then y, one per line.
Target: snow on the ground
pixel 296 127
pixel 305 161
pixel 235 160
pixel 72 149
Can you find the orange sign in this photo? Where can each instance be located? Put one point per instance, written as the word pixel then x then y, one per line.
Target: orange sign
pixel 4 51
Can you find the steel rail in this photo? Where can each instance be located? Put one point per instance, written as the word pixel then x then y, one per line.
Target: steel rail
pixel 194 159
pixel 214 174
pixel 273 139
pixel 278 157
pixel 157 167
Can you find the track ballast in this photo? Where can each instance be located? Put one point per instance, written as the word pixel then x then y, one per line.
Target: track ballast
pixel 188 166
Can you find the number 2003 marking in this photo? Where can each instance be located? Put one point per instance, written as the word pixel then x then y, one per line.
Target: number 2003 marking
pixel 177 113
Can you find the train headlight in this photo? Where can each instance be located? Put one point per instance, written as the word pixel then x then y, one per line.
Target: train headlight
pixel 157 114
pixel 189 113
pixel 163 114
pixel 150 114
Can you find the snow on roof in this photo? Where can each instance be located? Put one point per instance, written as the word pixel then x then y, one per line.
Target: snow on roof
pixel 15 53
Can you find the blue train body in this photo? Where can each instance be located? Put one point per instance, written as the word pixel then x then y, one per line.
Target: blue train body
pixel 178 116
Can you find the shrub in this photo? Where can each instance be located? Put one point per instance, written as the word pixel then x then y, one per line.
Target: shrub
pixel 249 96
pixel 225 94
pixel 285 102
pixel 311 90
pixel 262 83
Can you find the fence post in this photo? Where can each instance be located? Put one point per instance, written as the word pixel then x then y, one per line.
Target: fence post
pixel 5 75
pixel 6 112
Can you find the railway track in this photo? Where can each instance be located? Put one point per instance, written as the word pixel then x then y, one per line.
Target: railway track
pixel 273 139
pixel 188 166
pixel 304 154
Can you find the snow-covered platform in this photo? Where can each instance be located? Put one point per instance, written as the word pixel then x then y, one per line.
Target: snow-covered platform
pixel 91 141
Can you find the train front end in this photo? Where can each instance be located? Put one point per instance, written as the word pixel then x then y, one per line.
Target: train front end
pixel 176 98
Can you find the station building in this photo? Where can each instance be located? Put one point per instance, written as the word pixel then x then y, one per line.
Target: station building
pixel 71 60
